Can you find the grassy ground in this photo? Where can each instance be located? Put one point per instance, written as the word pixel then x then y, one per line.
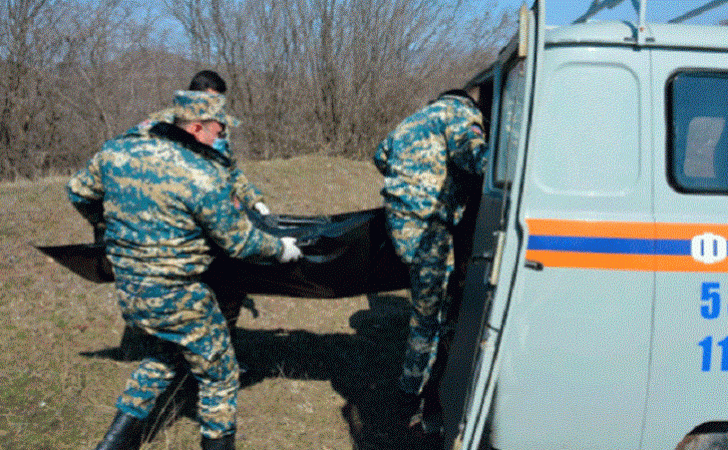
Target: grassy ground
pixel 321 371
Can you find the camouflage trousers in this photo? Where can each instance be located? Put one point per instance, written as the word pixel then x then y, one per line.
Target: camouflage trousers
pixel 192 334
pixel 431 259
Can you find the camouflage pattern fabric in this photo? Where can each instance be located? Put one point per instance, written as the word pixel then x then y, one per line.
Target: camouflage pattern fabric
pixel 166 200
pixel 185 320
pixel 423 199
pixel 163 204
pixel 244 190
pixel 201 105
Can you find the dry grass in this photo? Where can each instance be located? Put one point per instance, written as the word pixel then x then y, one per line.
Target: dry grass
pixel 320 370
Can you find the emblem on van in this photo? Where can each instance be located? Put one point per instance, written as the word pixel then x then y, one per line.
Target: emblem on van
pixel 709 248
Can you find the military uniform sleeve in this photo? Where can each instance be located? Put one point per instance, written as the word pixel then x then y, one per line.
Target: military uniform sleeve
pixel 410 193
pixel 466 138
pixel 417 173
pixel 413 161
pixel 232 230
pixel 86 191
pixel 244 190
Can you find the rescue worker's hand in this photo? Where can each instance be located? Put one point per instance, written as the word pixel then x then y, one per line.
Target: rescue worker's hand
pixel 261 208
pixel 290 251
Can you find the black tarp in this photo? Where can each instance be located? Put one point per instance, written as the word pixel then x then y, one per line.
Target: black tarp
pixel 345 255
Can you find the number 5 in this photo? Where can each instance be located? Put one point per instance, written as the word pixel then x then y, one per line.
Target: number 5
pixel 710 309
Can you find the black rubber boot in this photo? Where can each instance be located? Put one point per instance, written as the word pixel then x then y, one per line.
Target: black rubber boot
pixel 125 433
pixel 223 443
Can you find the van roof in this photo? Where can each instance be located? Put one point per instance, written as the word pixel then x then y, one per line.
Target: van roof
pixel 697 12
pixel 625 33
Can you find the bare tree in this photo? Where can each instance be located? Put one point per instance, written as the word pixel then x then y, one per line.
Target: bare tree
pixel 110 72
pixel 27 124
pixel 330 76
pixel 72 73
pixel 327 75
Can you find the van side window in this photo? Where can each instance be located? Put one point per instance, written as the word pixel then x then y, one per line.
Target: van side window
pixel 511 117
pixel 698 138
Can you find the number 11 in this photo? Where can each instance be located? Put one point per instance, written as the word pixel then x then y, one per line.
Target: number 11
pixel 707 345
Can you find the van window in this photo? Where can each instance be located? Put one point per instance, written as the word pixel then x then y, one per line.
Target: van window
pixel 511 116
pixel 698 139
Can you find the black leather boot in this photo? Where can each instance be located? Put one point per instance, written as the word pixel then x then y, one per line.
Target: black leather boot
pixel 125 433
pixel 223 443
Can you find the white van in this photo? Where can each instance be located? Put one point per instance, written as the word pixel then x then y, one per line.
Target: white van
pixel 596 310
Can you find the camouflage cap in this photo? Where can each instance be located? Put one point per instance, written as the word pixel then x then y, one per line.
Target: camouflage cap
pixel 199 105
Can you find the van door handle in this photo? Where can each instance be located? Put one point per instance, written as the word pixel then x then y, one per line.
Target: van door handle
pixel 485 256
pixel 534 265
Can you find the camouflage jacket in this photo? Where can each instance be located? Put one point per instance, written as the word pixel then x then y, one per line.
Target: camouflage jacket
pixel 244 190
pixel 423 159
pixel 167 202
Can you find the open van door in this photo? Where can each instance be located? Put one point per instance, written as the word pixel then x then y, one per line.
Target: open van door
pixel 469 376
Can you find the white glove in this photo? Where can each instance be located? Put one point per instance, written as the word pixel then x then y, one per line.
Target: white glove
pixel 261 208
pixel 290 251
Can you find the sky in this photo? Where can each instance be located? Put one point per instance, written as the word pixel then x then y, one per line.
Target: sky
pixel 561 12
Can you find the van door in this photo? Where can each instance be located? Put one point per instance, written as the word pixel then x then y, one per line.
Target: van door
pixel 574 352
pixel 472 300
pixel 689 358
pixel 472 364
pixel 507 81
pixel 497 242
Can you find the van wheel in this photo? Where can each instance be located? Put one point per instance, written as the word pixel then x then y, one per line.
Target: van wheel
pixel 710 436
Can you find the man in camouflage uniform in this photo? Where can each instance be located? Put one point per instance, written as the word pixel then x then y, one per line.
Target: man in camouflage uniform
pixel 424 199
pixel 166 196
pixel 247 196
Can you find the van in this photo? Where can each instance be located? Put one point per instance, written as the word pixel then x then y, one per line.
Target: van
pixel 595 310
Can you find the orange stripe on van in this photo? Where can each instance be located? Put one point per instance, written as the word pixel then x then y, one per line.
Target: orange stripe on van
pixel 688 230
pixel 658 263
pixel 584 228
pixel 643 230
pixel 663 247
pixel 592 260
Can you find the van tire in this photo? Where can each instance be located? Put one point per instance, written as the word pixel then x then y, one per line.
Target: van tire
pixel 709 436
